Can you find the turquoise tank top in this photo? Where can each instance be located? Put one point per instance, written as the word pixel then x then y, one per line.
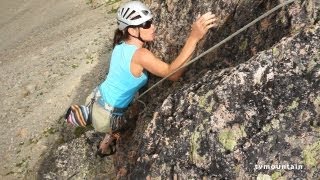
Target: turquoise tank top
pixel 120 85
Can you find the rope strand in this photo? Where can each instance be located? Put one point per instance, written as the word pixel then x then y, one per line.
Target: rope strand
pixel 219 44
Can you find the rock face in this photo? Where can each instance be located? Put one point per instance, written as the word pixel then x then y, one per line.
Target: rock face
pixel 173 21
pixel 263 112
pixel 251 109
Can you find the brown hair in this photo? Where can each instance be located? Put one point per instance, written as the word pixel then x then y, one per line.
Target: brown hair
pixel 120 36
pixel 123 35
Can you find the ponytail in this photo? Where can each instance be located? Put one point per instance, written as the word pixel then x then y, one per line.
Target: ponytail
pixel 120 36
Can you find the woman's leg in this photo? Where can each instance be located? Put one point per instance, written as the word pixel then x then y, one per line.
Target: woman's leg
pixel 105 143
pixel 118 124
pixel 108 141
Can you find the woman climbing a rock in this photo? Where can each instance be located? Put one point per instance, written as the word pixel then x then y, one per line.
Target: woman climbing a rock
pixel 130 62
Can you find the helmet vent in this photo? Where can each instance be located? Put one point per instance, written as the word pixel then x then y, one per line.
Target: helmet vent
pixel 137 17
pixel 145 12
pixel 125 13
pixel 132 12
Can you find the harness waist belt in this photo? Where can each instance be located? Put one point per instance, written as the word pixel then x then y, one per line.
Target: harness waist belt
pixel 111 109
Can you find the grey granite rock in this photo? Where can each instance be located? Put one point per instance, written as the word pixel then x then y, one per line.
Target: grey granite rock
pixel 230 123
pixel 243 111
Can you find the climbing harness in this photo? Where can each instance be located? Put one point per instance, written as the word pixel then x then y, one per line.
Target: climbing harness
pixel 219 44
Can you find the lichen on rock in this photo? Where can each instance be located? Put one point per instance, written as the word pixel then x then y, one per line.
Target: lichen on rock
pixel 254 102
pixel 264 110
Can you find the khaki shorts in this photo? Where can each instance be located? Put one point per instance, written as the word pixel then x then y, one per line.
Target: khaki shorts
pixel 100 116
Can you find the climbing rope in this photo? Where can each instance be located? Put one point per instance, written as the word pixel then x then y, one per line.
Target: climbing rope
pixel 219 44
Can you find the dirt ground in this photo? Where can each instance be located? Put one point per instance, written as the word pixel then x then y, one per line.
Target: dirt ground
pixel 52 54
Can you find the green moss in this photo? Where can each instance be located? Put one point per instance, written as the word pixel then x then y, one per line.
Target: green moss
pixel 263 177
pixel 311 154
pixel 276 175
pixel 289 87
pixel 229 137
pixel 203 101
pixel 243 45
pixel 293 105
pixel 266 128
pixel 311 65
pixel 237 169
pixel 200 128
pixel 194 146
pixel 275 51
pixel 291 139
pixel 275 123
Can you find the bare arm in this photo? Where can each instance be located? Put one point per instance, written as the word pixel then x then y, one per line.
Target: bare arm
pixel 148 61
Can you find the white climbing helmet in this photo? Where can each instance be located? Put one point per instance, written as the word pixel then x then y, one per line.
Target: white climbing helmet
pixel 132 13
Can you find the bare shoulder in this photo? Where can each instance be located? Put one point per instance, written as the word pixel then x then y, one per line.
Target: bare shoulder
pixel 150 62
pixel 143 54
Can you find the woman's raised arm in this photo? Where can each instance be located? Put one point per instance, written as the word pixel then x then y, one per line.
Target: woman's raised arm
pixel 146 59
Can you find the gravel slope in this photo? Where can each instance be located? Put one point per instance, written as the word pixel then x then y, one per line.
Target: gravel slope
pixel 46 50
